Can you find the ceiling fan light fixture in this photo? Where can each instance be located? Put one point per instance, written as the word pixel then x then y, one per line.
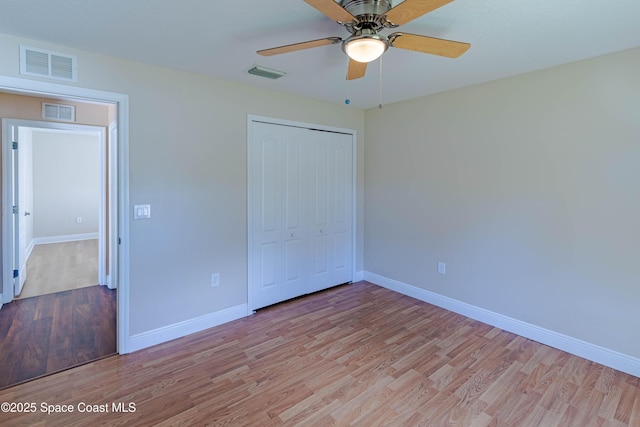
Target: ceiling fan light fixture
pixel 365 46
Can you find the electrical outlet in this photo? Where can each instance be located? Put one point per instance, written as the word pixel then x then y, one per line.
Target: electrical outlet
pixel 78 220
pixel 215 279
pixel 442 267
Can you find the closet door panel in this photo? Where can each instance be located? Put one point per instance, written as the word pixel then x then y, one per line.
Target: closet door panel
pixel 266 274
pixel 320 189
pixel 341 224
pixel 332 207
pixel 293 199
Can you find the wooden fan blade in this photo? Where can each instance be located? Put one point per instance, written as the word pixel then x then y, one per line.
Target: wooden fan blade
pixel 431 45
pixel 332 9
pixel 409 10
pixel 299 46
pixel 356 69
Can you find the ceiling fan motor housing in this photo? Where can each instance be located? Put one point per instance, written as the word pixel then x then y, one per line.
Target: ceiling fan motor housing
pixel 368 13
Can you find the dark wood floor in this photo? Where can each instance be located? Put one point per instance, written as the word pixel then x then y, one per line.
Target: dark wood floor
pixel 49 333
pixel 353 355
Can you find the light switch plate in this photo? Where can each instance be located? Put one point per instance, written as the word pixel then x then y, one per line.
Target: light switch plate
pixel 141 211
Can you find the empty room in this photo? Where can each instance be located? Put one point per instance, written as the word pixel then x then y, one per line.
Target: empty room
pixel 443 233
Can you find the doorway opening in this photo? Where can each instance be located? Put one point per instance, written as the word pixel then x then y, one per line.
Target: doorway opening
pixel 59 187
pixel 101 228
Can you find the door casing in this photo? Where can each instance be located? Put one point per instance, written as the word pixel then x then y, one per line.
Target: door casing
pixel 120 196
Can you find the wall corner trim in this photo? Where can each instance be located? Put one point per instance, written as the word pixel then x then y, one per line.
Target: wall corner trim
pixel 586 350
pixel 187 327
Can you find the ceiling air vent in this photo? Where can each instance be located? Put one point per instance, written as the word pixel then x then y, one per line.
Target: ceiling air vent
pixel 42 63
pixel 266 72
pixel 62 112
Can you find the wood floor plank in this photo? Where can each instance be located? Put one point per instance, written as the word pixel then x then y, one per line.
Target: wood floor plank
pixel 353 355
pixel 49 333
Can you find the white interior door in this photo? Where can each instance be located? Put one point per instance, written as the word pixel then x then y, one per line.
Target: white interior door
pixel 8 216
pixel 24 188
pixel 16 209
pixel 18 220
pixel 300 211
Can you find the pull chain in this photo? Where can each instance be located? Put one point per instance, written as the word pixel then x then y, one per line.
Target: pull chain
pixel 380 86
pixel 347 101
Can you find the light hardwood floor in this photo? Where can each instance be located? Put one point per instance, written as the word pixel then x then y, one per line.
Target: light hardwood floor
pixel 352 355
pixel 57 267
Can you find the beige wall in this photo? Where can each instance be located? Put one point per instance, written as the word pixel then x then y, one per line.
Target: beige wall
pixel 528 188
pixel 187 153
pixel 30 108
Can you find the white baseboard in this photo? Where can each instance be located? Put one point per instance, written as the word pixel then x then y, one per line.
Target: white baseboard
pixel 358 276
pixel 65 238
pixel 187 327
pixel 30 246
pixel 109 284
pixel 586 350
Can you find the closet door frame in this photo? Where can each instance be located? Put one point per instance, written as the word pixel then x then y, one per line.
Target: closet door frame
pixel 251 262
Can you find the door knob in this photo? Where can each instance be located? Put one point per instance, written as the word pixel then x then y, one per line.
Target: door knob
pixel 27 213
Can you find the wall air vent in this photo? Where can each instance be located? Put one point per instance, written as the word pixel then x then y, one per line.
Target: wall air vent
pixel 266 72
pixel 42 63
pixel 61 112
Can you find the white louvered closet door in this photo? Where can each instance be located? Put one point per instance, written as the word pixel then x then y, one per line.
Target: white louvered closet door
pixel 300 212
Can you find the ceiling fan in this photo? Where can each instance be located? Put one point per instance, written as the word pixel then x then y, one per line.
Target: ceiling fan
pixel 364 19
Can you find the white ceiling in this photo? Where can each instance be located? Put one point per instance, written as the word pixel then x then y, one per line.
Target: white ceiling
pixel 217 38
